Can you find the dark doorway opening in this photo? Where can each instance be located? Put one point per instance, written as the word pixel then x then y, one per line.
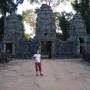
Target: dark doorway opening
pixel 9 48
pixel 81 45
pixel 46 47
pixel 1 28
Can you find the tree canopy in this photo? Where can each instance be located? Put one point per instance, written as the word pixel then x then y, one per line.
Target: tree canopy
pixel 3 5
pixel 7 5
pixel 52 3
pixel 64 24
pixel 29 17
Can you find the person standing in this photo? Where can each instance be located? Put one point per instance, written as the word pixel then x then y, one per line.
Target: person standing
pixel 38 65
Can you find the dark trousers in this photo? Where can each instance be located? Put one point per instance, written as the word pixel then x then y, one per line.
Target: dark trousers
pixel 38 67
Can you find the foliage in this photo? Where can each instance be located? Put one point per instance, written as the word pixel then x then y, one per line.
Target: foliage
pixel 79 7
pixel 56 15
pixel 3 6
pixel 20 17
pixel 9 5
pixel 29 17
pixel 64 24
pixel 26 37
pixel 64 19
pixel 52 3
pixel 83 8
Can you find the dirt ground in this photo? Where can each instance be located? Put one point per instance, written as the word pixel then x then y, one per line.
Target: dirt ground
pixel 62 74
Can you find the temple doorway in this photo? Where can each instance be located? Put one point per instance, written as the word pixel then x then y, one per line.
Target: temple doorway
pixel 9 48
pixel 46 49
pixel 81 45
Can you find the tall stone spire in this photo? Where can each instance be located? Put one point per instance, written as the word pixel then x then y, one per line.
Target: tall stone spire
pixel 45 27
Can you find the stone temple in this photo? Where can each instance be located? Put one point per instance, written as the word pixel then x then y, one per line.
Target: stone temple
pixel 49 44
pixel 46 31
pixel 13 32
pixel 45 40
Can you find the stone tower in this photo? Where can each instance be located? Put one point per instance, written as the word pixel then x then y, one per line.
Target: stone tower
pixel 13 32
pixel 46 30
pixel 78 32
pixel 78 28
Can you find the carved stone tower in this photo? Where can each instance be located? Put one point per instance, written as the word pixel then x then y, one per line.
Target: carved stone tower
pixel 13 32
pixel 46 30
pixel 78 32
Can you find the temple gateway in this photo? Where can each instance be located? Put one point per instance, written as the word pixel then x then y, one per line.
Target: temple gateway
pixel 50 45
pixel 46 31
pixel 45 40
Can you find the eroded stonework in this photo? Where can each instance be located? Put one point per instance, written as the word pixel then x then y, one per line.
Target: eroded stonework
pixel 45 40
pixel 13 32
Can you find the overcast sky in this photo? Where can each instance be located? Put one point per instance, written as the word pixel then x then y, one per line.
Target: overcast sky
pixel 26 5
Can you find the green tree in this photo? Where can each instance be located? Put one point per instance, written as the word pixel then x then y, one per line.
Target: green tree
pixel 28 16
pixel 5 6
pixel 56 16
pixel 9 5
pixel 26 37
pixel 64 24
pixel 3 10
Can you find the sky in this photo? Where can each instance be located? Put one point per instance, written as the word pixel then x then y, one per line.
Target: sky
pixel 26 6
pixel 66 6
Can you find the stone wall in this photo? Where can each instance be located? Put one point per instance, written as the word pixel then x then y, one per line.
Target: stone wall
pixel 26 49
pixel 88 43
pixel 21 49
pixel 65 49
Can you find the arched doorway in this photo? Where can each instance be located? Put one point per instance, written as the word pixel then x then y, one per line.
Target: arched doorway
pixel 9 48
pixel 46 49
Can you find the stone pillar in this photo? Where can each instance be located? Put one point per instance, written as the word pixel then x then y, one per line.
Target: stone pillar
pixel 85 43
pixel 78 49
pixel 13 49
pixel 53 50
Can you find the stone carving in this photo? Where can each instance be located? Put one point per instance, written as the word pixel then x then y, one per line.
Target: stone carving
pixel 78 28
pixel 13 28
pixel 13 31
pixel 45 28
pixel 45 38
